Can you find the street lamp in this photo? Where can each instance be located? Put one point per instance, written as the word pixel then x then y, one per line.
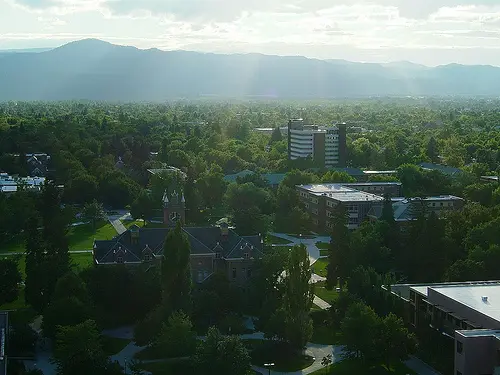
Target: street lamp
pixel 269 365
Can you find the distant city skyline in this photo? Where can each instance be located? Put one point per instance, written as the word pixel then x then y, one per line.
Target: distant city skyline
pixel 429 32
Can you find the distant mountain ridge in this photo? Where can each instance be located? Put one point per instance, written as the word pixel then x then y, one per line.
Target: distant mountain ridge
pixel 96 70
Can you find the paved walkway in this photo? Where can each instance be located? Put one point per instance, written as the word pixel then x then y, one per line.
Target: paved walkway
pixel 312 249
pixel 316 351
pixel 322 304
pixel 118 225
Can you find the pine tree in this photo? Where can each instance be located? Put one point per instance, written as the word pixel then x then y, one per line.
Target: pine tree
pixel 35 292
pixel 339 258
pixel 176 271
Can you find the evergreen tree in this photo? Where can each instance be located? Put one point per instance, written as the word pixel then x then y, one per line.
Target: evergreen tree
pixel 340 256
pixel 35 293
pixel 276 135
pixel 432 150
pixel 291 323
pixel 387 210
pixel 176 271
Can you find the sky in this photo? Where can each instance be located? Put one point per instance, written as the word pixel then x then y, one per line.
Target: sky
pixel 429 32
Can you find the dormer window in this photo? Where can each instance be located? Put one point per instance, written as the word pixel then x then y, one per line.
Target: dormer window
pixel 217 255
pixel 147 257
pixel 246 255
pixel 119 259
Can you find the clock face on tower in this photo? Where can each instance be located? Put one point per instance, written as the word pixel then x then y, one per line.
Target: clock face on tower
pixel 174 216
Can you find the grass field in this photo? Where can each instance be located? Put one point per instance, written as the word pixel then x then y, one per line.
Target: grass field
pixel 14 246
pixel 329 296
pixel 351 366
pixel 82 237
pixel 276 240
pixel 319 268
pixel 323 245
pixel 80 261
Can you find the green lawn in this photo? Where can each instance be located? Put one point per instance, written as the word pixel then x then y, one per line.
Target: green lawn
pixel 128 224
pixel 352 366
pixel 81 260
pixel 284 359
pixel 113 345
pixel 276 240
pixel 323 245
pixel 15 245
pixel 17 304
pixel 327 295
pixel 319 267
pixel 324 253
pixel 82 237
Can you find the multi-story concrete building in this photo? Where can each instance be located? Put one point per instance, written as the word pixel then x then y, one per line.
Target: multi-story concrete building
pixel 407 209
pixel 392 189
pixel 326 145
pixel 469 312
pixel 320 200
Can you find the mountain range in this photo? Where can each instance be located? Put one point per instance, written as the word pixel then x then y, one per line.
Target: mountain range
pixel 96 70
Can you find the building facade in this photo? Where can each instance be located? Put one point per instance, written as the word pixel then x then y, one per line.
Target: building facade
pixel 321 199
pixel 213 249
pixel 326 145
pixel 407 209
pixel 467 312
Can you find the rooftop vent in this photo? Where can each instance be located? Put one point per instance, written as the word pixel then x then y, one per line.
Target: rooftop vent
pixel 484 298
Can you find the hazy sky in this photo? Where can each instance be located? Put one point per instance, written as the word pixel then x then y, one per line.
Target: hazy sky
pixel 430 32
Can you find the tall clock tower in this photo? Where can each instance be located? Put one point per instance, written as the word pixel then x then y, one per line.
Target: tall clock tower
pixel 174 209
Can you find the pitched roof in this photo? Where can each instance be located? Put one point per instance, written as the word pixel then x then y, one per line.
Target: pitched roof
pixel 271 178
pixel 203 240
pixel 441 168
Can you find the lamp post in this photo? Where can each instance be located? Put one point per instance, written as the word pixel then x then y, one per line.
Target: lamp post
pixel 269 365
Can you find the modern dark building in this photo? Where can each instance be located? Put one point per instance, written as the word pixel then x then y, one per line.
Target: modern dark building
pixel 326 145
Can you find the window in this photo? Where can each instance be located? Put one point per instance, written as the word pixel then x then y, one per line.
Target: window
pixel 234 273
pixel 244 272
pixel 147 257
pixel 217 255
pixel 460 347
pixel 246 255
pixel 119 259
pixel 249 273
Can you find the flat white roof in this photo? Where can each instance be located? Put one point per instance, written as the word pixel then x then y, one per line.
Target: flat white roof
pixel 482 298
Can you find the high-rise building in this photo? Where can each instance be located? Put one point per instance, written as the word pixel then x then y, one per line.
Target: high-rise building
pixel 326 145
